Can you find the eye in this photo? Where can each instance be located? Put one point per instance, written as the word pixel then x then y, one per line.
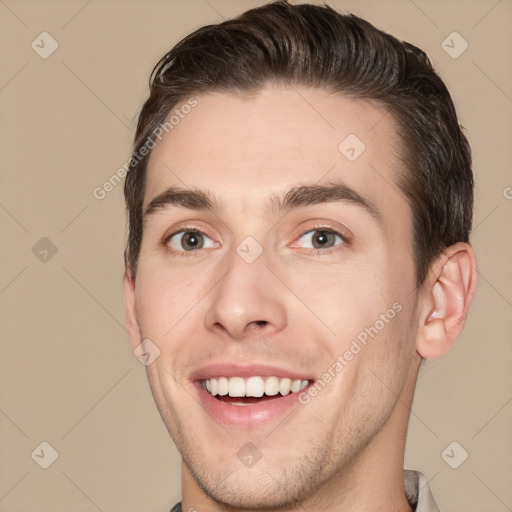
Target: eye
pixel 190 241
pixel 320 239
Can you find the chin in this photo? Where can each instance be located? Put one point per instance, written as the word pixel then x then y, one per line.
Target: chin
pixel 262 487
pixel 260 491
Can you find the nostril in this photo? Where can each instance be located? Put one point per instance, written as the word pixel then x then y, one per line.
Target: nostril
pixel 261 322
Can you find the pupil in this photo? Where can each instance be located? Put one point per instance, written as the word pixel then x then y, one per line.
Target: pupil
pixel 192 240
pixel 322 238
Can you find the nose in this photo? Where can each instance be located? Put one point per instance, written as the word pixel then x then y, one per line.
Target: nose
pixel 246 301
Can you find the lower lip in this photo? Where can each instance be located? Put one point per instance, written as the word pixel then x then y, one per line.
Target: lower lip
pixel 248 416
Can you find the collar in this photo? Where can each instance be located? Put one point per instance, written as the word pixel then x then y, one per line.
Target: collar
pixel 417 490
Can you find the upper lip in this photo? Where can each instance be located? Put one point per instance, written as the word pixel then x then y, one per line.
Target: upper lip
pixel 236 370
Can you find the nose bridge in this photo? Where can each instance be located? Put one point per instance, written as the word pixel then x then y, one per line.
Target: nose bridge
pixel 245 298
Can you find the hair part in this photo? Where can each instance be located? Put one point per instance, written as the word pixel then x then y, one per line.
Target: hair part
pixel 315 46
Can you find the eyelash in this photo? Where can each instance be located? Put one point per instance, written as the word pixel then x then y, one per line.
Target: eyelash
pixel 311 252
pixel 183 229
pixel 328 229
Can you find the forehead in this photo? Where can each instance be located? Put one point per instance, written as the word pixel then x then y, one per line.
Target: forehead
pixel 244 148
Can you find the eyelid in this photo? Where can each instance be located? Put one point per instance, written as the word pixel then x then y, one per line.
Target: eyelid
pixel 184 229
pixel 186 226
pixel 344 233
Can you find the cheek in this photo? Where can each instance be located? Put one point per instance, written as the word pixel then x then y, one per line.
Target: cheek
pixel 375 377
pixel 171 309
pixel 388 353
pixel 347 300
pixel 368 315
pixel 163 298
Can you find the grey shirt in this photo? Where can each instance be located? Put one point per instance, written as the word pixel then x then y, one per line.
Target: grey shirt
pixel 417 491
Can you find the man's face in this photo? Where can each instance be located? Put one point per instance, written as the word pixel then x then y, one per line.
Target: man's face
pixel 302 256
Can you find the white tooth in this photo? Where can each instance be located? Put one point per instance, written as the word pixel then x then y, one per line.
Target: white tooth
pixel 272 386
pixel 222 386
pixel 213 386
pixel 295 385
pixel 254 387
pixel 236 386
pixel 284 386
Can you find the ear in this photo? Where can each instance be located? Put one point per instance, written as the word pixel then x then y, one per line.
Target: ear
pixel 132 324
pixel 447 293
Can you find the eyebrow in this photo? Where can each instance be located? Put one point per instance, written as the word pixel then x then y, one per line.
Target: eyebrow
pixel 184 198
pixel 309 195
pixel 294 198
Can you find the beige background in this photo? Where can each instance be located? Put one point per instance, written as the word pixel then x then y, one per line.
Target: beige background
pixel 67 374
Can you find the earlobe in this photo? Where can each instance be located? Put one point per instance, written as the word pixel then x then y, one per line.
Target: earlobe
pixel 132 324
pixel 448 294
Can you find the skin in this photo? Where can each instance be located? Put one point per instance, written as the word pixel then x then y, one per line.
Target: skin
pixel 293 307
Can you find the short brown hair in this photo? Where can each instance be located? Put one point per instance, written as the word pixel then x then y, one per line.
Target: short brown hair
pixel 318 47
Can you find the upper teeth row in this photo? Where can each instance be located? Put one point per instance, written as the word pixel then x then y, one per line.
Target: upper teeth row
pixel 253 386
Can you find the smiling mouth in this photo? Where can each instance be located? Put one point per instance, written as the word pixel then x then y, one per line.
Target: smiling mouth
pixel 246 391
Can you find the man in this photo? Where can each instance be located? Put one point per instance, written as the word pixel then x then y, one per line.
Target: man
pixel 299 200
